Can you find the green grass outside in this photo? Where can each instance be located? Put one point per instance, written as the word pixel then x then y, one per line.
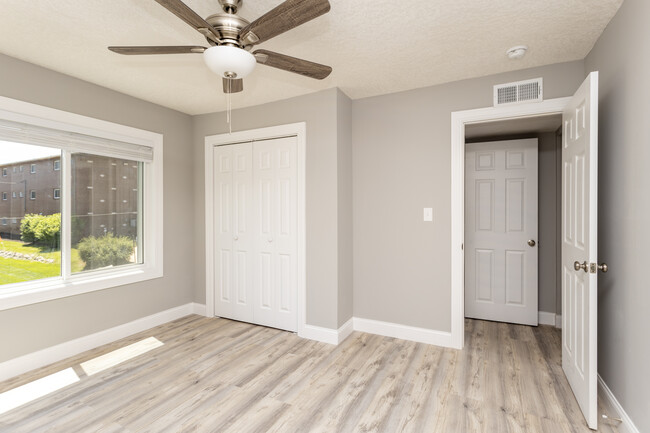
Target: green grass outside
pixel 14 271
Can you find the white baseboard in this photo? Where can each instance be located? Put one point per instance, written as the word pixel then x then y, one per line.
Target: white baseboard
pixel 545 318
pixel 199 309
pixel 346 329
pixel 404 332
pixel 614 408
pixel 551 319
pixel 327 335
pixel 41 358
pixel 318 333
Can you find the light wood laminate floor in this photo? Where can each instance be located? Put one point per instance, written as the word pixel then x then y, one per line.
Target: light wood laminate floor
pixel 216 375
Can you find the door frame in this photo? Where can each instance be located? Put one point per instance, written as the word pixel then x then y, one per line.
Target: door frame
pixel 298 130
pixel 458 121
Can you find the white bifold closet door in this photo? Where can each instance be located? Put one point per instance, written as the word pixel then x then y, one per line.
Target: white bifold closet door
pixel 255 232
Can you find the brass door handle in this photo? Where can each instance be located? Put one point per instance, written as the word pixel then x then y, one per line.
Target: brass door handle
pixel 577 266
pixel 531 242
pixel 603 267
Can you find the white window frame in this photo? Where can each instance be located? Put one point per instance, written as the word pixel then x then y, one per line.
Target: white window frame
pixel 32 168
pixel 57 164
pixel 4 171
pixel 13 194
pixel 32 194
pixel 4 196
pixel 31 292
pixel 54 194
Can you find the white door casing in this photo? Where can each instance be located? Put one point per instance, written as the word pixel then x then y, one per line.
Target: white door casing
pixel 501 218
pixel 579 244
pixel 458 121
pixel 255 210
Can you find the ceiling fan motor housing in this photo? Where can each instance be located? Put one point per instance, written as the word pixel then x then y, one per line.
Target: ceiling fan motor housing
pixel 228 26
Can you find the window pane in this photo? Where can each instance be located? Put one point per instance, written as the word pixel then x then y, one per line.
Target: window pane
pixel 30 229
pixel 106 209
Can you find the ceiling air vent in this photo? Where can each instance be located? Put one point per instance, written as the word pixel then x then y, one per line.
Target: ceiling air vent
pixel 521 91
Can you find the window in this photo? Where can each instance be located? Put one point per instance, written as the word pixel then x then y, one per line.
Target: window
pixel 21 169
pixel 4 221
pixel 4 171
pixel 106 195
pixel 13 194
pixel 4 196
pixel 14 169
pixel 21 194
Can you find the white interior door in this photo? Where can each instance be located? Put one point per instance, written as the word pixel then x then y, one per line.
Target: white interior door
pixel 579 245
pixel 255 206
pixel 275 191
pixel 501 225
pixel 235 237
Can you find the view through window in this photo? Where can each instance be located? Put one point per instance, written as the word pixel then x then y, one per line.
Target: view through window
pixel 30 241
pixel 104 217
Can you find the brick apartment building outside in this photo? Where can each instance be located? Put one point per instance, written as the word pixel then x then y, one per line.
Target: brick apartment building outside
pixel 105 194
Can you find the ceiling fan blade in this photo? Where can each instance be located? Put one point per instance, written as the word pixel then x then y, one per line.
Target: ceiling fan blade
pixel 129 51
pixel 233 85
pixel 286 16
pixel 182 11
pixel 292 64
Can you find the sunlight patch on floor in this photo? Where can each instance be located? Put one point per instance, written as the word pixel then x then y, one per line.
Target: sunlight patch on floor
pixel 118 356
pixel 31 391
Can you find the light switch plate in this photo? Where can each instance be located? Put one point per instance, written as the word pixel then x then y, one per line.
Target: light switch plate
pixel 428 214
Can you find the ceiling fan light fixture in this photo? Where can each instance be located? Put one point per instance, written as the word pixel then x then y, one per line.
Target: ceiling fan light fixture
pixel 229 62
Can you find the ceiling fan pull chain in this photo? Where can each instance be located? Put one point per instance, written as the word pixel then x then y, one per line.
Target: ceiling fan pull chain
pixel 229 106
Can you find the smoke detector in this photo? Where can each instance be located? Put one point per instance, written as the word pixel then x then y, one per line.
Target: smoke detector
pixel 516 53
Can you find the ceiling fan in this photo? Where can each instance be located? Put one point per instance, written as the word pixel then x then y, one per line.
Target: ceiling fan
pixel 231 39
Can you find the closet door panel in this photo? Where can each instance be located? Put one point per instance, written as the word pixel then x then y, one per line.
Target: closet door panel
pixel 274 180
pixel 234 234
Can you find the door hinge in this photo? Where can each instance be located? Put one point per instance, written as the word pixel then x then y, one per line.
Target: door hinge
pixel 593 267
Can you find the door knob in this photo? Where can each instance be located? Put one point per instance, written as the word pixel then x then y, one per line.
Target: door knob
pixel 236 238
pixel 577 266
pixel 531 242
pixel 270 239
pixel 603 267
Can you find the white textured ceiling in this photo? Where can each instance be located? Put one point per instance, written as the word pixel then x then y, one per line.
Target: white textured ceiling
pixel 374 46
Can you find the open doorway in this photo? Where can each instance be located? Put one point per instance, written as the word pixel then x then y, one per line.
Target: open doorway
pixel 512 220
pixel 579 211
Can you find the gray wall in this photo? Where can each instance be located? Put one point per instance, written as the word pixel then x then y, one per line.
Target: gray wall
pixel 319 111
pixel 344 158
pixel 622 55
pixel 549 291
pixel 401 164
pixel 27 329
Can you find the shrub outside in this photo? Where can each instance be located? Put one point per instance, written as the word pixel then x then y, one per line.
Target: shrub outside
pixel 107 250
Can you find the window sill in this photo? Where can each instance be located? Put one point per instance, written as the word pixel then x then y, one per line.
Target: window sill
pixel 33 292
